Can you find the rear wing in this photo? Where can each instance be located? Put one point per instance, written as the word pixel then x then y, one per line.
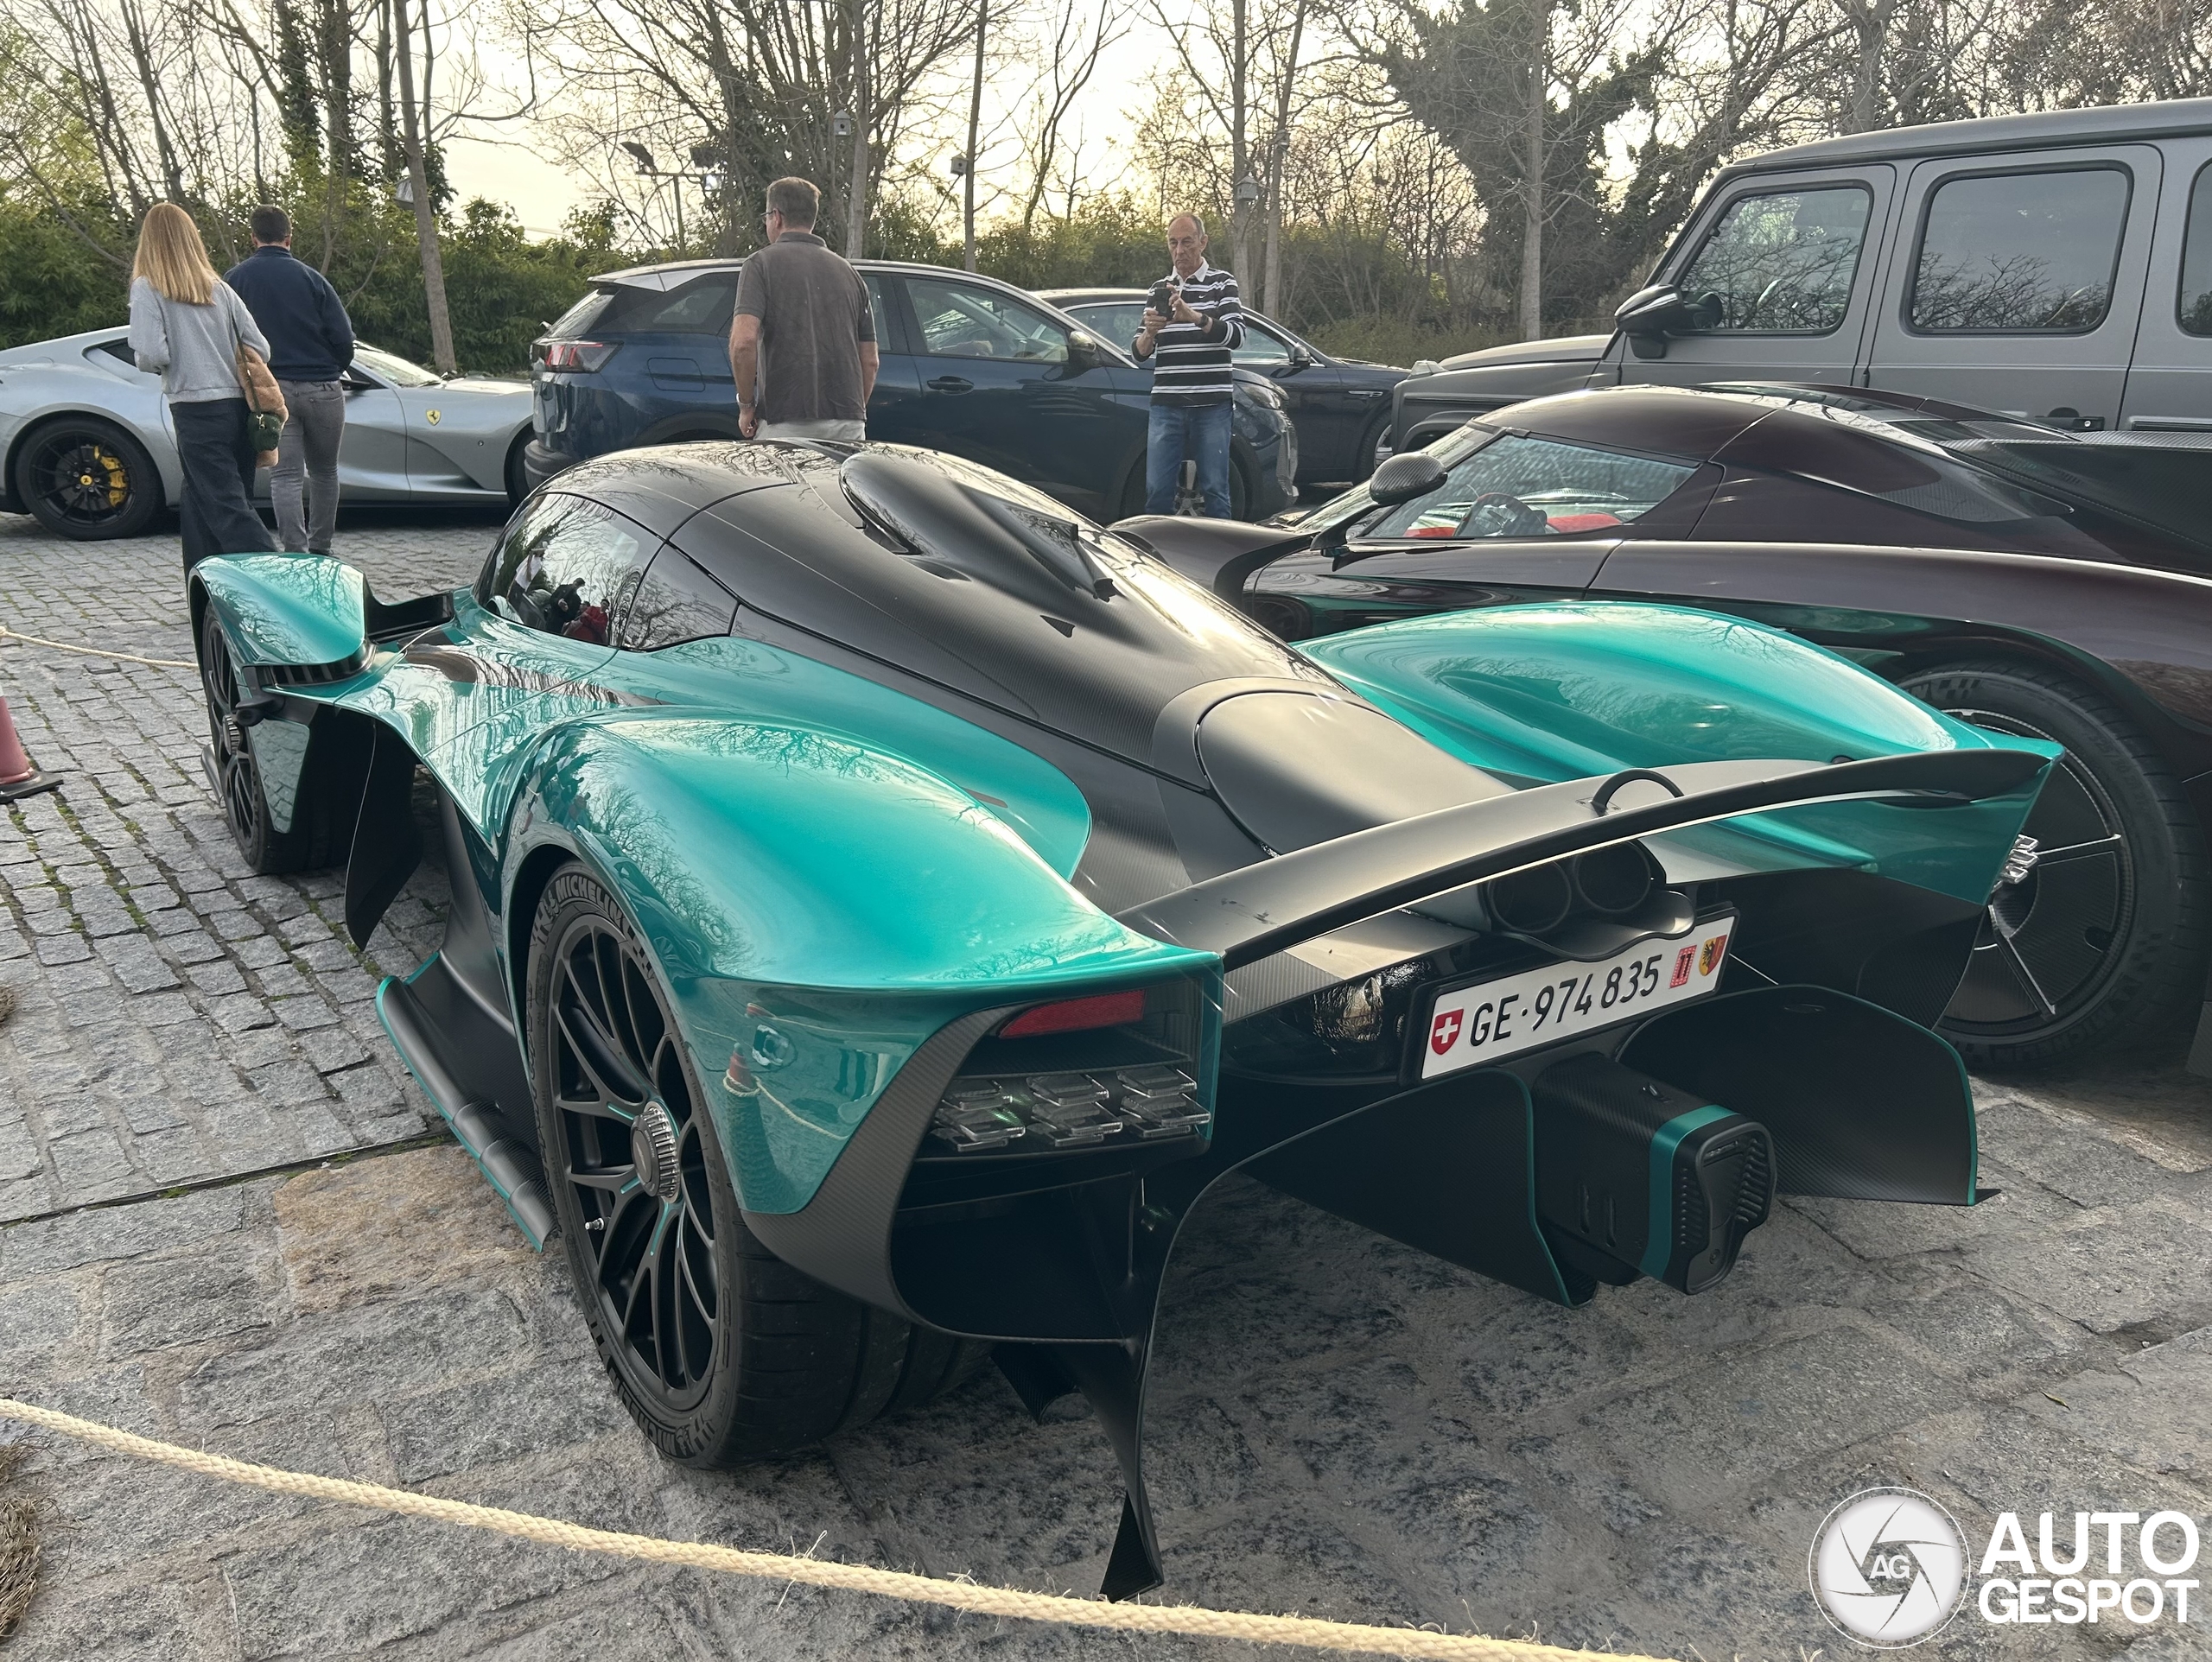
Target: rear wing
pixel 1258 910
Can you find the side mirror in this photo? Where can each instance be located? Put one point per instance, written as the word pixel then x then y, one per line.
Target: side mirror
pixel 1649 315
pixel 1300 358
pixel 1404 478
pixel 1082 351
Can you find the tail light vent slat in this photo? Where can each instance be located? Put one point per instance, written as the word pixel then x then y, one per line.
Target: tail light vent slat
pixel 1104 1070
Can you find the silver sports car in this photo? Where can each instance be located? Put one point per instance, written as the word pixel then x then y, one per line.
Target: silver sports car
pixel 87 447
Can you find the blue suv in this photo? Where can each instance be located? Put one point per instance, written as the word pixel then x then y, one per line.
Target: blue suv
pixel 969 365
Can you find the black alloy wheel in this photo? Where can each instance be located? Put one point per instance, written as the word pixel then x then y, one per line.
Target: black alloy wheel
pixel 2095 936
pixel 87 479
pixel 720 1352
pixel 1187 501
pixel 632 1153
pixel 236 773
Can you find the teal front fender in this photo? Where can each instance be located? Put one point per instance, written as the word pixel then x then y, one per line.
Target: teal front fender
pixel 819 908
pixel 299 612
pixel 1570 690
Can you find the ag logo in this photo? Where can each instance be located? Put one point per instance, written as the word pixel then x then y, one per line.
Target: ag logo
pixel 1888 1568
pixel 1446 1033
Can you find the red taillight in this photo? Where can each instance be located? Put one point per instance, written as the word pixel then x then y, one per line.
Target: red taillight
pixel 583 355
pixel 1075 1015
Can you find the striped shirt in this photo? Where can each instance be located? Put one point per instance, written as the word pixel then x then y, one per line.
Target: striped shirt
pixel 1191 360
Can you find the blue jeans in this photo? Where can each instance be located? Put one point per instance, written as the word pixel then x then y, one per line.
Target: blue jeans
pixel 1201 433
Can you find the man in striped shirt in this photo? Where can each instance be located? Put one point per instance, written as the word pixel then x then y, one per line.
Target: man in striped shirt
pixel 1191 391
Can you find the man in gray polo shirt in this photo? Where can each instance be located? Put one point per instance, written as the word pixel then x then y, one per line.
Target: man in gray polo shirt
pixel 801 346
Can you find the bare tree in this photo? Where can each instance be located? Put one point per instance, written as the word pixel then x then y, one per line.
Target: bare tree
pixel 757 81
pixel 418 179
pixel 1067 44
pixel 1238 72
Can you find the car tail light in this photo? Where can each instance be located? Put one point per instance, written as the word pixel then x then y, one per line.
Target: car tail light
pixel 578 355
pixel 1107 1070
pixel 1077 1015
pixel 1052 1112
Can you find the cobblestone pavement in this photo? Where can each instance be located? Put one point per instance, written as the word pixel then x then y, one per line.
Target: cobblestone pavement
pixel 1339 1425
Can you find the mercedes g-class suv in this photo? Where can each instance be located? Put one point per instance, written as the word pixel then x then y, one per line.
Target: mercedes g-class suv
pixel 2056 266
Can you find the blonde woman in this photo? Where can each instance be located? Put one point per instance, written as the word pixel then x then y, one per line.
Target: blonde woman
pixel 187 326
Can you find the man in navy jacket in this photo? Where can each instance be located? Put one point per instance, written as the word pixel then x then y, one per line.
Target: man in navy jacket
pixel 310 347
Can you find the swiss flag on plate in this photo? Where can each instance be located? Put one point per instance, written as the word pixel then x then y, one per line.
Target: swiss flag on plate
pixel 1446 1033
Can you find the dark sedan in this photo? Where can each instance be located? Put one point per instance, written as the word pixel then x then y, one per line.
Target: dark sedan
pixel 2032 582
pixel 1341 406
pixel 970 365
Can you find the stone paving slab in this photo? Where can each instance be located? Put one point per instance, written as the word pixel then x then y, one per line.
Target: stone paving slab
pixel 178 1019
pixel 1339 1425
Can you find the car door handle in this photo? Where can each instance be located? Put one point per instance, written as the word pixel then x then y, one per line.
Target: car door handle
pixel 951 383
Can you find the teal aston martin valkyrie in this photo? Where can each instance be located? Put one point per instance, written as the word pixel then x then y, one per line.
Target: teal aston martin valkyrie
pixel 883 901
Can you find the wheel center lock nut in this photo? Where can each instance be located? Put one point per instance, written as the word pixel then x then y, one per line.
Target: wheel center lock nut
pixel 652 1150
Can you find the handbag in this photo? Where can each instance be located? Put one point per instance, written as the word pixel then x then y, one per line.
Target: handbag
pixel 266 427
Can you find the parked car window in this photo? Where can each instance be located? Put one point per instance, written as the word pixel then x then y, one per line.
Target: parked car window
pixel 1115 320
pixel 2196 256
pixel 961 321
pixel 1260 346
pixel 700 307
pixel 568 566
pixel 1534 487
pixel 1780 264
pixel 392 368
pixel 875 311
pixel 2020 252
pixel 581 315
pixel 674 602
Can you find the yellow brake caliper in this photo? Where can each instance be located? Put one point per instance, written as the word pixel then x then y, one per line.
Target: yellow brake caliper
pixel 119 482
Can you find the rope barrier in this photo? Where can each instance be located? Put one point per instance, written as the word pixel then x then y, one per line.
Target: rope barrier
pixel 1187 1619
pixel 7 633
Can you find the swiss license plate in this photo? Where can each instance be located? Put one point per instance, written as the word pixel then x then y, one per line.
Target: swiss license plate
pixel 1491 1020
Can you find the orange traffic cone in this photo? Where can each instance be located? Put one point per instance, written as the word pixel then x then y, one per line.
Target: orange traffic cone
pixel 17 777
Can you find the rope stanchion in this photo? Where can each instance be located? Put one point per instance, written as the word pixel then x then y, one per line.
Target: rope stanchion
pixel 1190 1621
pixel 8 634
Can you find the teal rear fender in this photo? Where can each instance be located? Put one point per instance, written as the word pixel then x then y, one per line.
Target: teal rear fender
pixel 1570 690
pixel 1566 690
pixel 297 611
pixel 819 908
